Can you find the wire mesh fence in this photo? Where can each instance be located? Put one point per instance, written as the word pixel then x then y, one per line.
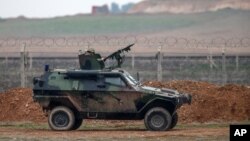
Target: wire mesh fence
pixel 217 60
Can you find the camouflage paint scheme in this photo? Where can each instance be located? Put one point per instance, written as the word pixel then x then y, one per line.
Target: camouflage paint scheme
pixel 102 94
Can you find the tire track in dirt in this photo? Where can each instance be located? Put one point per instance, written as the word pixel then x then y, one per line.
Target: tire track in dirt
pixel 192 132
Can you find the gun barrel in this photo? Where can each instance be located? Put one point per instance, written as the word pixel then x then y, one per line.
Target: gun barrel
pixel 118 52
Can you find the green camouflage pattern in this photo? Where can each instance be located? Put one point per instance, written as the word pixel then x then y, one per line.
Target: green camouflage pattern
pixel 100 92
pixel 113 91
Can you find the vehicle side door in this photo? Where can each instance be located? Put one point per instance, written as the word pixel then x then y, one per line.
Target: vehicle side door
pixel 113 95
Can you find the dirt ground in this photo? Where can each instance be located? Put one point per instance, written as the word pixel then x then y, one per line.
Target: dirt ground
pixel 114 130
pixel 178 134
pixel 213 108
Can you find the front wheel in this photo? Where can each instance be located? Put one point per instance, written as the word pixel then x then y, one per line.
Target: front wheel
pixel 158 119
pixel 61 119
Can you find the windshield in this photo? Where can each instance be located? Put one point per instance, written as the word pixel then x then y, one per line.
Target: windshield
pixel 130 79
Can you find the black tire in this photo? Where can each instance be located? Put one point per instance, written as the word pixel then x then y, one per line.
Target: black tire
pixel 174 120
pixel 78 123
pixel 61 119
pixel 157 119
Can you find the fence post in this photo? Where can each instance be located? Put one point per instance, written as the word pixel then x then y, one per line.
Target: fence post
pixel 133 61
pixel 6 61
pixel 3 73
pixel 224 71
pixel 159 64
pixel 30 62
pixel 23 61
pixel 237 62
pixel 210 65
pixel 211 60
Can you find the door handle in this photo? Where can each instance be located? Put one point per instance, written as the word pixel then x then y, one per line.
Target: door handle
pixel 101 86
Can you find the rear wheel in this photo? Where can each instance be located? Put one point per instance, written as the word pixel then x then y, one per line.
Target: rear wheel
pixel 61 119
pixel 174 120
pixel 157 119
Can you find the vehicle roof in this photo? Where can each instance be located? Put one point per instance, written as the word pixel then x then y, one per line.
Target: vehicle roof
pixel 80 71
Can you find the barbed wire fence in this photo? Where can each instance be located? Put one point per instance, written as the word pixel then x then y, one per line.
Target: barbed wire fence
pixel 124 40
pixel 219 60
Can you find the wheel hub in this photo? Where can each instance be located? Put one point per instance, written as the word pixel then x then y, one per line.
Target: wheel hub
pixel 157 121
pixel 61 119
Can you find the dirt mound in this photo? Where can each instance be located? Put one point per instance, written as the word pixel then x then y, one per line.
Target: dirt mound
pixel 17 105
pixel 211 103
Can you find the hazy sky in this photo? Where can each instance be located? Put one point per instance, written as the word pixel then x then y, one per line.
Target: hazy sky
pixel 50 8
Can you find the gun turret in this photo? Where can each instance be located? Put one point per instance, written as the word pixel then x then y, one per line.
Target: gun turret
pixel 93 61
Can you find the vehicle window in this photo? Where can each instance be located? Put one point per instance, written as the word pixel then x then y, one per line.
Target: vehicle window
pixel 130 79
pixel 117 81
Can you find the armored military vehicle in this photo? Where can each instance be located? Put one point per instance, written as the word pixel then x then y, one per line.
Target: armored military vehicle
pixel 67 96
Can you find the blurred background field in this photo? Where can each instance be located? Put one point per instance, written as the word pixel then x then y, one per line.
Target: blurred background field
pixel 199 40
pixel 222 23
